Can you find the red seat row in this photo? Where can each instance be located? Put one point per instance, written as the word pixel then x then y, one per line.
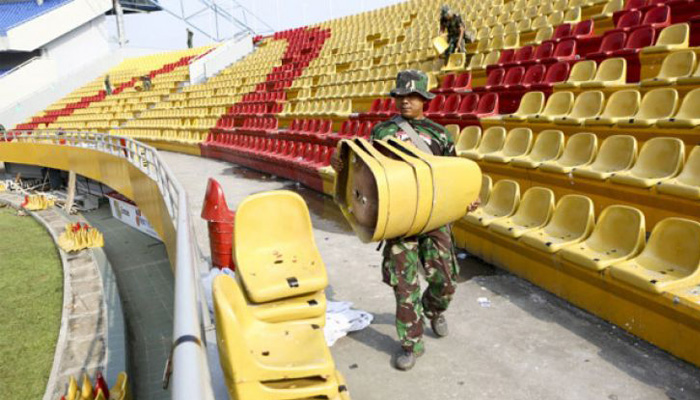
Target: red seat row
pixel 301 154
pixel 353 127
pixel 385 107
pixel 454 83
pixel 261 97
pixel 469 106
pixel 658 17
pixel 311 127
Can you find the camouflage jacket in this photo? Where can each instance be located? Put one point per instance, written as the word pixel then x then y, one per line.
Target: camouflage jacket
pixel 452 26
pixel 434 134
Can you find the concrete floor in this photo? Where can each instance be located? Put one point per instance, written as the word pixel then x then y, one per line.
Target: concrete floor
pixel 527 345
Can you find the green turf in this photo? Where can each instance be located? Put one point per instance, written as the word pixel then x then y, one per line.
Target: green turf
pixel 31 295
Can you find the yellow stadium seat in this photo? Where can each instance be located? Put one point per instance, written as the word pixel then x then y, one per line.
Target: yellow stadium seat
pixel 539 22
pixel 72 393
pixel 558 105
pixel 572 15
pixel 532 103
pixel 486 186
pixel 688 115
pixel 672 37
pixel 511 41
pixel 670 260
pixel 618 235
pixel 535 210
pixel 580 150
pixel 572 222
pixel 687 183
pixel 622 104
pixel 468 139
pixel 680 64
pixel 121 390
pixel 660 158
pixel 524 25
pixel 491 58
pixel 582 71
pixel 548 146
pixel 617 153
pixel 693 79
pixel 657 104
pixel 263 360
pixel 86 388
pixel 611 72
pixel 609 9
pixel 492 141
pixel 518 143
pixel 476 61
pixel 275 251
pixel 453 130
pixel 456 62
pixel 587 105
pixel 502 203
pixel 544 33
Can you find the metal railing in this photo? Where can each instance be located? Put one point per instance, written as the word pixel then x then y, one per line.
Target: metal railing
pixel 191 378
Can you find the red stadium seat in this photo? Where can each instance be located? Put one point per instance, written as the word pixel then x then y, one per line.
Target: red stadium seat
pixel 467 106
pixel 434 106
pixel 463 82
pixel 542 52
pixel 565 50
pixel 658 17
pixel 446 84
pixel 524 55
pixel 450 106
pixel 513 77
pixel 534 75
pixel 488 106
pixel 494 78
pixel 638 39
pixel 612 41
pixel 628 20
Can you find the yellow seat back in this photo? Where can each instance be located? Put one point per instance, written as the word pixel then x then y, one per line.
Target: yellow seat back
pixel 274 246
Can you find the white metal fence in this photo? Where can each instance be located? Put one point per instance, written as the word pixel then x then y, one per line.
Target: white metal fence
pixel 190 377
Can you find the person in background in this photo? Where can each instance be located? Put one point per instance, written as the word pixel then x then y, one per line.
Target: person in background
pixel 108 85
pixel 190 35
pixel 147 84
pixel 457 35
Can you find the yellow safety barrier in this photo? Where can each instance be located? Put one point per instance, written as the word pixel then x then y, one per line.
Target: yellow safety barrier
pixel 390 189
pixel 36 202
pixel 77 237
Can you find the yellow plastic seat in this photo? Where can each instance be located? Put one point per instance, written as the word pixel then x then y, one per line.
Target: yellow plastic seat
pixel 86 388
pixel 609 9
pixel 264 360
pixel 72 392
pixel 617 153
pixel 582 71
pixel 492 141
pixel 622 104
pixel 657 104
pixel 558 105
pixel 532 103
pixel 491 58
pixel 456 62
pixel 688 115
pixel 618 235
pixel 693 79
pixel 676 65
pixel 548 146
pixel 453 130
pixel 535 210
pixel 670 260
pixel 572 222
pixel 659 159
pixel 121 389
pixel 587 105
pixel 475 62
pixel 468 140
pixel 274 246
pixel 687 183
pixel 502 203
pixel 611 72
pixel 580 150
pixel 486 186
pixel 672 37
pixel 543 33
pixel 518 142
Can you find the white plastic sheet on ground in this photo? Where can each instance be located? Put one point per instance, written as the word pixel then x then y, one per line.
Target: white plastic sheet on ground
pixel 341 318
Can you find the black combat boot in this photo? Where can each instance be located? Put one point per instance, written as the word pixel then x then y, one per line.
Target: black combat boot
pixel 406 359
pixel 439 325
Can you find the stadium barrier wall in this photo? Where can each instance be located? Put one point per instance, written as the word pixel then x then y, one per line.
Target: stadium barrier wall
pixel 137 171
pixel 221 57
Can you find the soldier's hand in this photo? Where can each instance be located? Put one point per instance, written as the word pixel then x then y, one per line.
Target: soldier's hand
pixel 475 204
pixel 336 162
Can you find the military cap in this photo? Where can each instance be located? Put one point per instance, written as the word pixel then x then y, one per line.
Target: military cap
pixel 411 81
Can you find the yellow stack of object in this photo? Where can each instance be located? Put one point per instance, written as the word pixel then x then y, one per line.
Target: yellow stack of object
pixel 270 318
pixel 36 202
pixel 77 237
pixel 390 189
pixel 120 390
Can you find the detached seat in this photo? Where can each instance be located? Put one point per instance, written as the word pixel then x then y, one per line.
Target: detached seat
pixel 618 235
pixel 670 260
pixel 572 221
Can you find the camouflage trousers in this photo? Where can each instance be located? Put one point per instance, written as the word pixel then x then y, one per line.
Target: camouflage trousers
pixel 452 48
pixel 402 258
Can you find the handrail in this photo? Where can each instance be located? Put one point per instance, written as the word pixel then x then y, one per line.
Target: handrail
pixel 191 378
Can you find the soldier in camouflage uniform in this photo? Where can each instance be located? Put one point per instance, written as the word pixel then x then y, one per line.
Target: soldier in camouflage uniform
pixel 433 250
pixel 457 35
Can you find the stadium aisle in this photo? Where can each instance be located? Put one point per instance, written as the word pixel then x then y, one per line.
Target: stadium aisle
pixel 145 284
pixel 508 339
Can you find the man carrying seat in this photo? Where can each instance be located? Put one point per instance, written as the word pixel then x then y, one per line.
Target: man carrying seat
pixel 457 34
